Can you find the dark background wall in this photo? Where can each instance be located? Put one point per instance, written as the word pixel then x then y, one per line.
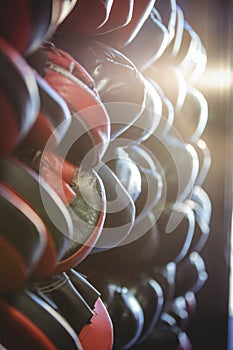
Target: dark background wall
pixel 212 20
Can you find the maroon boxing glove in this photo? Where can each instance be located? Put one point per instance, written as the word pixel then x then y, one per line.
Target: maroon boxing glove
pixel 19 98
pixel 87 16
pixel 23 240
pixel 52 122
pixel 98 16
pixel 88 134
pixel 35 324
pixel 42 198
pixel 26 24
pixel 120 15
pixel 26 333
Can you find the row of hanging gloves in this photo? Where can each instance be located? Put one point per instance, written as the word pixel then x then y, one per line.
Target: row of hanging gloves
pixel 102 170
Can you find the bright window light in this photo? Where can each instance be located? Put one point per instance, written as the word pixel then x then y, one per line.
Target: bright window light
pixel 216 79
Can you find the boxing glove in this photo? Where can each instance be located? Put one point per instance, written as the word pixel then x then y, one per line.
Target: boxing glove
pixel 69 303
pixel 167 12
pixel 80 304
pixel 83 194
pixel 120 15
pixel 52 122
pixel 120 85
pixel 19 98
pixel 201 197
pixel 149 119
pixel 120 212
pixel 123 36
pixel 118 160
pixel 202 229
pixel 194 60
pixel 191 120
pixel 191 274
pixel 188 52
pixel 87 16
pixel 204 157
pixel 99 335
pixel 172 155
pixel 175 244
pixel 27 24
pixel 152 40
pixel 167 336
pixel 42 198
pixel 35 324
pixel 84 287
pixel 199 65
pixel 152 181
pixel 168 110
pixel 137 251
pixel 88 213
pixel 171 81
pixel 21 251
pixel 165 277
pixel 175 44
pixel 26 333
pixel 124 309
pixel 178 309
pixel 88 134
pixel 150 295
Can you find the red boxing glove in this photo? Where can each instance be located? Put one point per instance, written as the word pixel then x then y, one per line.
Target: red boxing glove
pixel 99 334
pixel 26 24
